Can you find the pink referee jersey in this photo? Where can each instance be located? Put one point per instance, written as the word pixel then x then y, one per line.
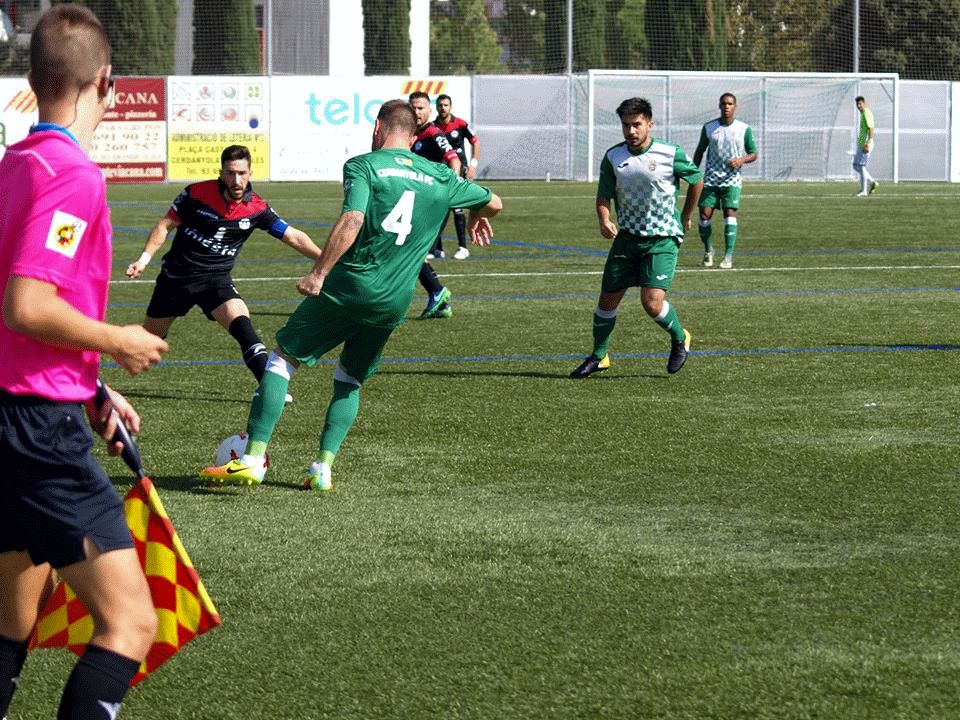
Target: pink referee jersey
pixel 54 227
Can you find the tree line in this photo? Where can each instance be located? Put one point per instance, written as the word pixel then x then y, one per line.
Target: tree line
pixel 919 39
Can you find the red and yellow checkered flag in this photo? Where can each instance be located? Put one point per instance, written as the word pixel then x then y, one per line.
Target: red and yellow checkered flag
pixel 184 610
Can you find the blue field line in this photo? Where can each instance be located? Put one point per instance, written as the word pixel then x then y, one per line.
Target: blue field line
pixel 590 295
pixel 552 249
pixel 939 347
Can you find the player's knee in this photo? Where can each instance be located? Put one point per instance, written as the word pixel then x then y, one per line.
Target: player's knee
pixel 652 304
pixel 130 629
pixel 143 629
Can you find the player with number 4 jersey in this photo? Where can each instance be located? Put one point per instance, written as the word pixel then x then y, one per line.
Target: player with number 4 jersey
pixel 361 287
pixel 404 198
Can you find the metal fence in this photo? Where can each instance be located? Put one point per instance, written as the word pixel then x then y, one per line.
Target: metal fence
pixel 805 125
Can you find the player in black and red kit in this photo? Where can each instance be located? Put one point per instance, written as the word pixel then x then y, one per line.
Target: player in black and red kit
pixel 433 145
pixel 213 220
pixel 457 132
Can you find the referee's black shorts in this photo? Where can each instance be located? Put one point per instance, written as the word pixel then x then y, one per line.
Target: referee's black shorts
pixel 53 493
pixel 174 297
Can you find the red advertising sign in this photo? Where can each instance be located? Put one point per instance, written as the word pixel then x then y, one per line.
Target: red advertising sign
pixel 131 143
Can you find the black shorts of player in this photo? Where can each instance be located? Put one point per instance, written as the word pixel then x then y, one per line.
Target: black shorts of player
pixel 53 493
pixel 174 297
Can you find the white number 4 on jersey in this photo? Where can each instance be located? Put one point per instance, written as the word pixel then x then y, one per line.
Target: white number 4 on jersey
pixel 400 219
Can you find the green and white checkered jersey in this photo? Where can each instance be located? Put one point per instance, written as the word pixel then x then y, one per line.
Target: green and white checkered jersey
pixel 722 142
pixel 405 199
pixel 645 185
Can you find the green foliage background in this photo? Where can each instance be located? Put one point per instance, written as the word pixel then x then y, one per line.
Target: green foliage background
pixel 141 34
pixel 225 40
pixel 386 48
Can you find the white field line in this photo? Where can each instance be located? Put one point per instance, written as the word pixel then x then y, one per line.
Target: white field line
pixel 584 273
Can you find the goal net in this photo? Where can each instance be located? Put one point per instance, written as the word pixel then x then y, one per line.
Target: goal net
pixel 805 125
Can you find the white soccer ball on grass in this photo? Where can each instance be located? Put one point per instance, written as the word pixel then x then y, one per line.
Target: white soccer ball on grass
pixel 232 449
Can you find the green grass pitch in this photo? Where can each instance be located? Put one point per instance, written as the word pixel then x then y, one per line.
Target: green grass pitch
pixel 771 533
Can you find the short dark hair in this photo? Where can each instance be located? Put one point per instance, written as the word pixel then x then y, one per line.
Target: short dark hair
pixel 859 98
pixel 729 95
pixel 235 152
pixel 417 94
pixel 67 48
pixel 444 96
pixel 397 116
pixel 635 106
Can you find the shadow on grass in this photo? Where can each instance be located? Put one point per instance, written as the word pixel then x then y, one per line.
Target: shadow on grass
pixel 186 484
pixel 453 374
pixel 189 394
pixel 195 486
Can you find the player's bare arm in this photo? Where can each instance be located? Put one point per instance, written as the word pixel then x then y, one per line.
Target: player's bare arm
pixel 478 223
pixel 301 242
pixel 608 228
pixel 737 162
pixel 32 307
pixel 155 241
pixel 342 237
pixel 701 147
pixel 690 204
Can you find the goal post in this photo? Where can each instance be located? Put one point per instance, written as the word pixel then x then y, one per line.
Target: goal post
pixel 805 124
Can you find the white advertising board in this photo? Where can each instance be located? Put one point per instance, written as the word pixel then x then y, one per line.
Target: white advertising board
pixel 18 111
pixel 319 122
pixel 206 114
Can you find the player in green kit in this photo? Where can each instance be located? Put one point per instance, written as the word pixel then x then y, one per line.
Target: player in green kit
pixel 729 145
pixel 360 289
pixel 643 175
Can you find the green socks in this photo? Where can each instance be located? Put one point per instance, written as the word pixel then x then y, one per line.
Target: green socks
pixel 730 234
pixel 603 322
pixel 268 404
pixel 669 321
pixel 265 411
pixel 341 415
pixel 705 228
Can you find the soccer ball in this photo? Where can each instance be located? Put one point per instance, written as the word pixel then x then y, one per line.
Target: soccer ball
pixel 232 449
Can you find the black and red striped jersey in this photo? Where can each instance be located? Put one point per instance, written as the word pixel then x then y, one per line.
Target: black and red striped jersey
pixel 457 131
pixel 211 230
pixel 433 144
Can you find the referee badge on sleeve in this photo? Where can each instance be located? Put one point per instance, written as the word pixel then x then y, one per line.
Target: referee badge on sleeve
pixel 65 233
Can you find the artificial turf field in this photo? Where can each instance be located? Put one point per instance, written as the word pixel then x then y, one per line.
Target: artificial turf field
pixel 774 532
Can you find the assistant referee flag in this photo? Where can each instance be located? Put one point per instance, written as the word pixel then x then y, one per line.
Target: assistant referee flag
pixel 184 610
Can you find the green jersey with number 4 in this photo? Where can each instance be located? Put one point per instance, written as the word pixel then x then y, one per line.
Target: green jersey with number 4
pixel 404 199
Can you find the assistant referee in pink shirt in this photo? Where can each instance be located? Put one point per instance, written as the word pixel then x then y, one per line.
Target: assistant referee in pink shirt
pixel 58 508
